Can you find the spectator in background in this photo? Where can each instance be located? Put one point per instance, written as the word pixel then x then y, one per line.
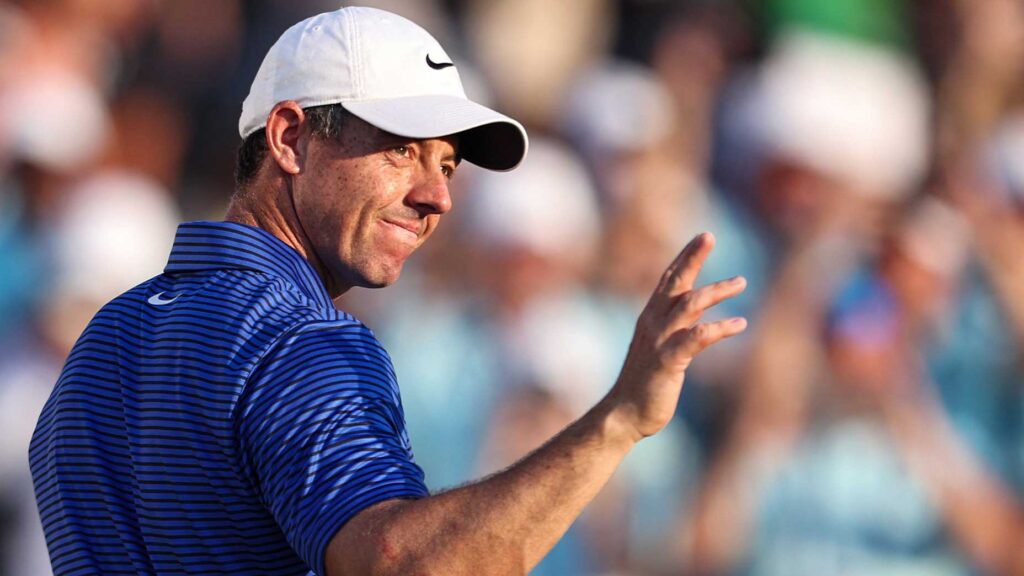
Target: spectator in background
pixel 534 290
pixel 837 121
pixel 654 191
pixel 832 162
pixel 112 230
pixel 644 144
pixel 530 78
pixel 819 469
pixel 946 389
pixel 53 127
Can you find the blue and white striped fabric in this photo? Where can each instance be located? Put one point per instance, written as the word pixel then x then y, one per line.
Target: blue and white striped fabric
pixel 221 418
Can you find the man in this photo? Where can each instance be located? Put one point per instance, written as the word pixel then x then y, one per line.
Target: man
pixel 224 417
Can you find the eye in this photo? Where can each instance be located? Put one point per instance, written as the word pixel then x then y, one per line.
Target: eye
pixel 448 171
pixel 401 150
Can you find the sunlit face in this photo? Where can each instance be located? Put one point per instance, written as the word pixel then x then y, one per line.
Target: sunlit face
pixel 367 202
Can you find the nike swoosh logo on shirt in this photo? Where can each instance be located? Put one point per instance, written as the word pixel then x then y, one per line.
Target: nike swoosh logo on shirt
pixel 158 299
pixel 438 65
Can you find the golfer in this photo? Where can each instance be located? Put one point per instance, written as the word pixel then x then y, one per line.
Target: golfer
pixel 225 418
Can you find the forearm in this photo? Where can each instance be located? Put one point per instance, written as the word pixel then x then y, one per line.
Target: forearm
pixel 769 424
pixel 982 514
pixel 769 421
pixel 716 537
pixel 503 524
pixel 998 240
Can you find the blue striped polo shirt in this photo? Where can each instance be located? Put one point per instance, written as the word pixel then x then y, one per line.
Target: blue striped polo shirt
pixel 221 418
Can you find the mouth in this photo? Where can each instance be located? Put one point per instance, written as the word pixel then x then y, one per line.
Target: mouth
pixel 411 230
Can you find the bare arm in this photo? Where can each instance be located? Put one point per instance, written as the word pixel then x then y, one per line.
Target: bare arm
pixel 506 523
pixel 998 234
pixel 976 91
pixel 983 515
pixel 769 420
pixel 981 73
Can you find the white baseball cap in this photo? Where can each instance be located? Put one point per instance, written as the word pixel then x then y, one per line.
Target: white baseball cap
pixel 855 111
pixel 387 71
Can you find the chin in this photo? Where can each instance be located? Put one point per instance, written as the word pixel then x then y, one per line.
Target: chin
pixel 380 278
pixel 383 284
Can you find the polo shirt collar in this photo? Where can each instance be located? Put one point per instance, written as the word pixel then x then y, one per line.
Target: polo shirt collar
pixel 219 245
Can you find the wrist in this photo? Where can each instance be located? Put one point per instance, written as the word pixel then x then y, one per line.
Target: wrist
pixel 618 422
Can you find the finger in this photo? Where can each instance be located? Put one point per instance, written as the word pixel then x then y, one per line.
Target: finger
pixel 687 343
pixel 691 305
pixel 685 274
pixel 671 274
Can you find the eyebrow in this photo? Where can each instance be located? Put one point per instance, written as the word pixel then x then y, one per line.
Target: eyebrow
pixel 457 155
pixel 392 138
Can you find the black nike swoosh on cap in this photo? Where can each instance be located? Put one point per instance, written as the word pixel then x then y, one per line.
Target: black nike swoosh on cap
pixel 438 65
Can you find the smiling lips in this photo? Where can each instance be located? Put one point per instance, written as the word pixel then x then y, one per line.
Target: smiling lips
pixel 413 229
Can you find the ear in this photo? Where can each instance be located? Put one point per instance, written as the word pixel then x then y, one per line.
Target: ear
pixel 287 136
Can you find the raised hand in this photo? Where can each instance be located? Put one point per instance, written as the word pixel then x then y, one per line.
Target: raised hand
pixel 668 336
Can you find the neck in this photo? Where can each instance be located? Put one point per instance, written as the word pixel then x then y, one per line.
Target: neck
pixel 269 213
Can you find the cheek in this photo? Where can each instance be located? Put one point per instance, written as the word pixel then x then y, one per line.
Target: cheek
pixel 328 202
pixel 322 217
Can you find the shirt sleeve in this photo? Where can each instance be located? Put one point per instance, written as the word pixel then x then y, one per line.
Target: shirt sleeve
pixel 322 433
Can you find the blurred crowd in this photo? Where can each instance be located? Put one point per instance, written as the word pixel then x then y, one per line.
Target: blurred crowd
pixel 861 162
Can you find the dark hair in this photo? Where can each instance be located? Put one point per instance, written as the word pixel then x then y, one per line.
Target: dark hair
pixel 325 122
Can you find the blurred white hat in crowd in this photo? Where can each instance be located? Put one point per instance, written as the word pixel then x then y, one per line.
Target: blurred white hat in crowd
pixel 115 231
pixel 562 345
pixel 617 107
pixel 532 48
pixel 548 205
pixel 54 120
pixel 851 110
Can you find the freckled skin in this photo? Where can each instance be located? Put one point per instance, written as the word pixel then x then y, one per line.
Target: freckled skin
pixel 351 192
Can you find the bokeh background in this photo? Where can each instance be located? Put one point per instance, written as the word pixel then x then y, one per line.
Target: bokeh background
pixel 861 162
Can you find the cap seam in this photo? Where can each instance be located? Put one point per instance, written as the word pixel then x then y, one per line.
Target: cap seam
pixel 356 63
pixel 410 96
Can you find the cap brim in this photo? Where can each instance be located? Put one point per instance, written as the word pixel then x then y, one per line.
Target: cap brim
pixel 486 138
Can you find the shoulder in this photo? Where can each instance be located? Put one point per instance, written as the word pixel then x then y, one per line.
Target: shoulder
pixel 327 357
pixel 242 317
pixel 303 339
pixel 341 336
pixel 341 342
pixel 321 372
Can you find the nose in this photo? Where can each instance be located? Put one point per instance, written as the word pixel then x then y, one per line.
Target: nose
pixel 431 195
